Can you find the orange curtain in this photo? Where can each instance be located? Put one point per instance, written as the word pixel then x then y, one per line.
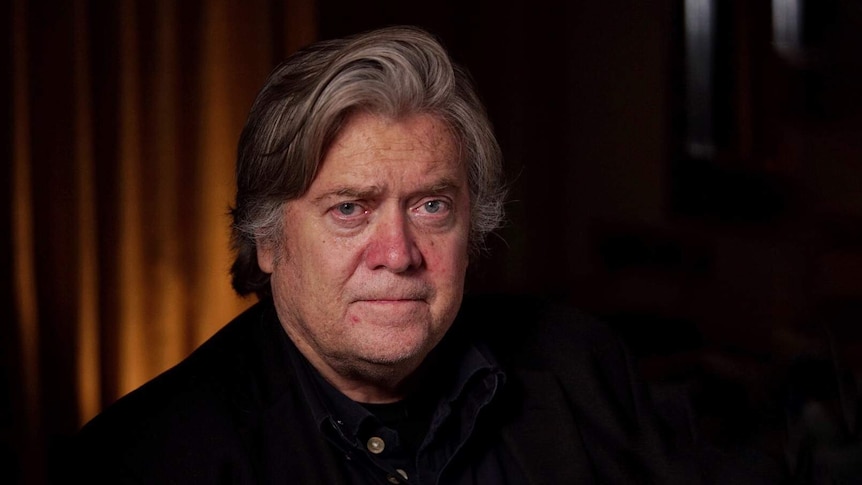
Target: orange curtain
pixel 124 121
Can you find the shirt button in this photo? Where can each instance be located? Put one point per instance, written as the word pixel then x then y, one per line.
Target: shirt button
pixel 394 478
pixel 375 445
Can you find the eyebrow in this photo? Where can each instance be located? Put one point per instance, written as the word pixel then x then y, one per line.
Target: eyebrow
pixel 350 193
pixel 364 193
pixel 443 185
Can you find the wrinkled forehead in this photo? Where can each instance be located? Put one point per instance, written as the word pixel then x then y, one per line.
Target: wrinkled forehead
pixel 427 126
pixel 369 146
pixel 405 132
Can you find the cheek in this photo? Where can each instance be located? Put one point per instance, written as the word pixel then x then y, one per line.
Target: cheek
pixel 447 259
pixel 334 259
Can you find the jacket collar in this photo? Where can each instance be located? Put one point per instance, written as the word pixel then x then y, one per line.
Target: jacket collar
pixel 540 430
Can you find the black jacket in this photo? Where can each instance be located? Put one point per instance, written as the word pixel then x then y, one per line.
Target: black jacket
pixel 572 409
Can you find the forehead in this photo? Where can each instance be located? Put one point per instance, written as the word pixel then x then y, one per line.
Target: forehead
pixel 370 145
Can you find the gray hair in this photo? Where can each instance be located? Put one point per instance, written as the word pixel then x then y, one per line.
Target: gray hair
pixel 393 72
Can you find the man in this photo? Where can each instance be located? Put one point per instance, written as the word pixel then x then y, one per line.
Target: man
pixel 367 176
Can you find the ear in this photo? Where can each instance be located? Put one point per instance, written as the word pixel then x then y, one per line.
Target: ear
pixel 266 256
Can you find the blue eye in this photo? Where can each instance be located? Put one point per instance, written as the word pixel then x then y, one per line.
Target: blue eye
pixel 347 208
pixel 433 206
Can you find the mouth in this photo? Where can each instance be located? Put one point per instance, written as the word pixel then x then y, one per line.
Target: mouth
pixel 388 312
pixel 393 297
pixel 383 297
pixel 389 301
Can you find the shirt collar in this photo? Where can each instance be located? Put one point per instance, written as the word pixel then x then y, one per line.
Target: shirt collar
pixel 462 372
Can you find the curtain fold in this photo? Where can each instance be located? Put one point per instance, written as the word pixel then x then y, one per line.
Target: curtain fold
pixel 124 122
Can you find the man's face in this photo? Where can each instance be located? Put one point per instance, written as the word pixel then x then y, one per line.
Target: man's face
pixel 370 272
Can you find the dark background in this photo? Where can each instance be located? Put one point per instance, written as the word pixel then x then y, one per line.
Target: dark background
pixel 735 277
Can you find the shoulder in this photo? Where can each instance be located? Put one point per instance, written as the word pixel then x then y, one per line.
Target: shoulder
pixel 204 374
pixel 531 332
pixel 165 420
pixel 582 362
pixel 560 359
pixel 594 380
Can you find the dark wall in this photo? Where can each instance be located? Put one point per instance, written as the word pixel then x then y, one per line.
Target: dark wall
pixel 579 101
pixel 739 275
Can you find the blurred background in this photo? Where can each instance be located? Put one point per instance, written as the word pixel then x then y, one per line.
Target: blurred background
pixel 690 171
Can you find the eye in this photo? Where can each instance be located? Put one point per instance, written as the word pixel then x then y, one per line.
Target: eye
pixel 347 208
pixel 348 213
pixel 434 206
pixel 433 209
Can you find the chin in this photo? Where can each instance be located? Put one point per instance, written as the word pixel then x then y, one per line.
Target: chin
pixel 389 354
pixel 394 356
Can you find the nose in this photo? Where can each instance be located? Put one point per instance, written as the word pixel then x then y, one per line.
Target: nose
pixel 392 246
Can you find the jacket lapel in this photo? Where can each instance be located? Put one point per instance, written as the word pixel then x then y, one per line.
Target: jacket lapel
pixel 276 426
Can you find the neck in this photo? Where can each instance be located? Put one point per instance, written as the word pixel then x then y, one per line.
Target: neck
pixel 364 382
